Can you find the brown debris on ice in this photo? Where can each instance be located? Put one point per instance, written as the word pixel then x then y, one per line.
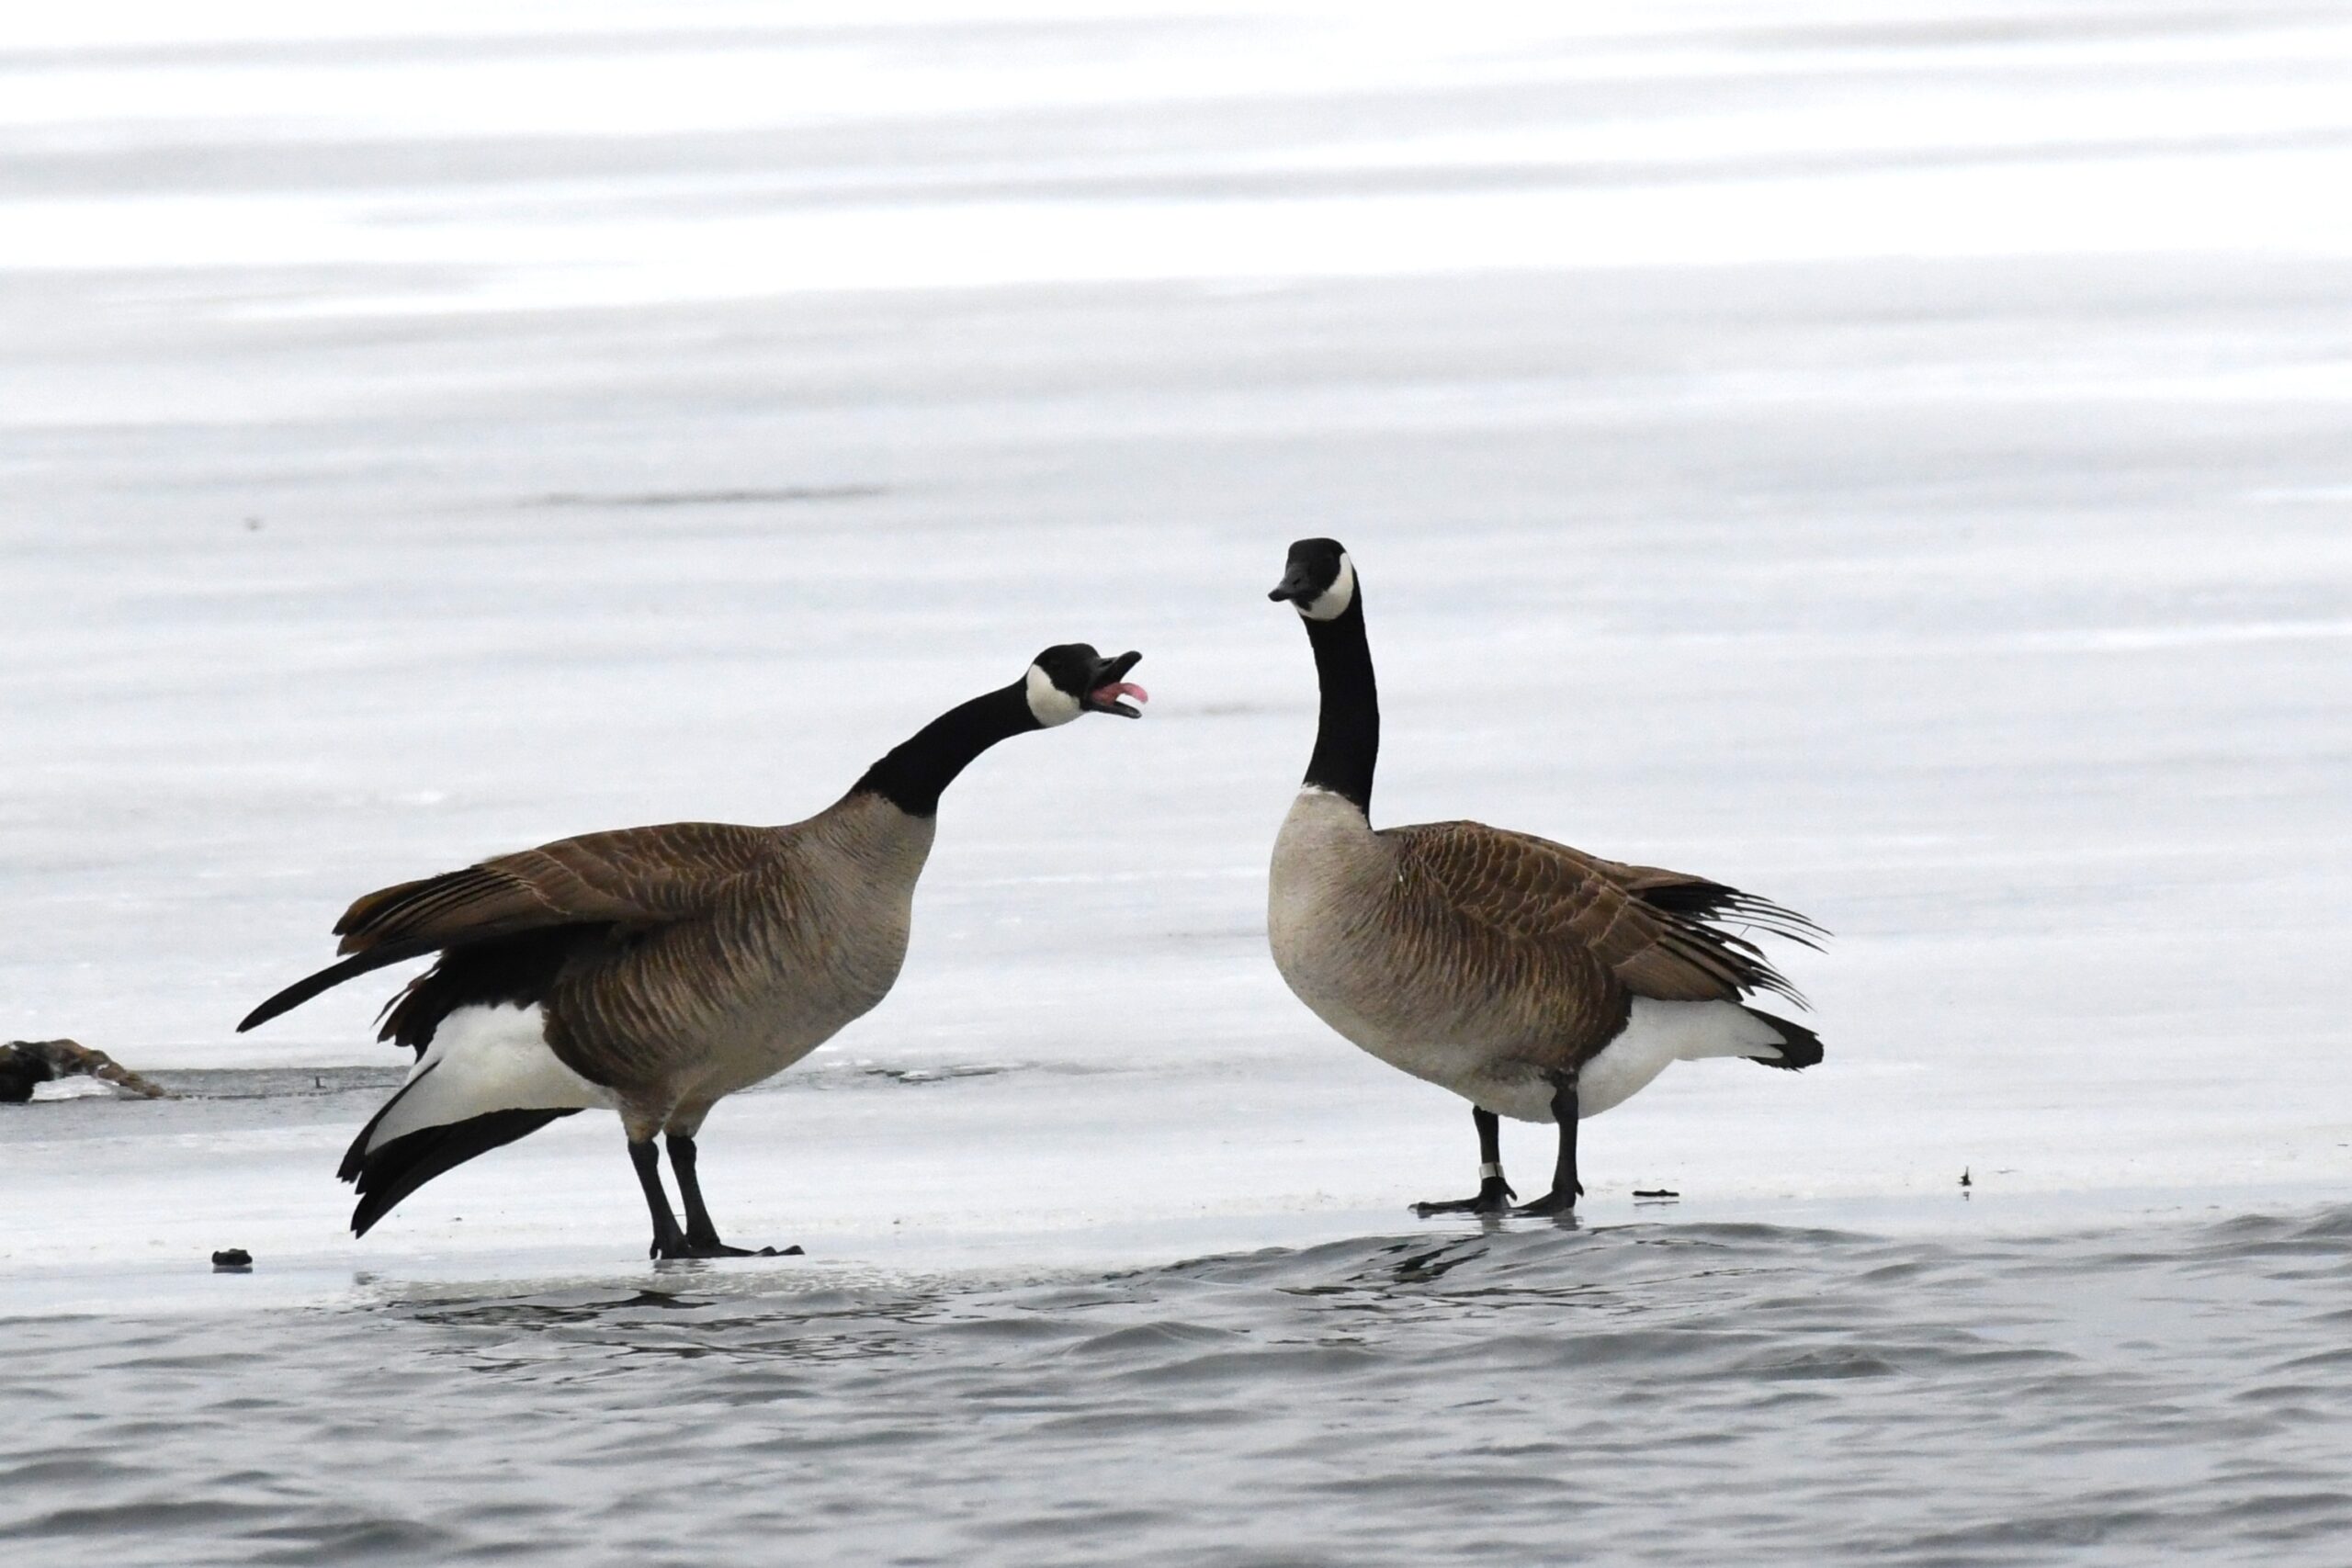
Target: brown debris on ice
pixel 26 1063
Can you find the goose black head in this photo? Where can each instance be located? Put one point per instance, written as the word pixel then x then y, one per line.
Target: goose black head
pixel 1072 678
pixel 1319 582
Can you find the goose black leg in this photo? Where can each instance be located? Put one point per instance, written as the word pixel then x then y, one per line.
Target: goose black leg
pixel 1494 1193
pixel 1565 1188
pixel 668 1240
pixel 702 1236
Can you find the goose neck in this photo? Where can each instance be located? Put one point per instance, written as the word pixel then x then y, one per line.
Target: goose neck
pixel 1347 735
pixel 913 774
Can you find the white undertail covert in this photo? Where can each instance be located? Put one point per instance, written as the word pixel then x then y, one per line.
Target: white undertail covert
pixel 484 1059
pixel 1657 1034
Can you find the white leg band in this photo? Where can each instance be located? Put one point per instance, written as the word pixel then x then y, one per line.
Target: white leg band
pixel 1491 1173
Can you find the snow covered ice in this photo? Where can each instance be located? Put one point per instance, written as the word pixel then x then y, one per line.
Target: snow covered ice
pixel 1890 459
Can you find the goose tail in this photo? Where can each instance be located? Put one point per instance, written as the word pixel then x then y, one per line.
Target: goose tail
pixel 397 1168
pixel 1799 1047
pixel 488 1079
pixel 334 974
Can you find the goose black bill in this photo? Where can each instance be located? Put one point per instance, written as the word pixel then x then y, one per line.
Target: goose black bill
pixel 1105 690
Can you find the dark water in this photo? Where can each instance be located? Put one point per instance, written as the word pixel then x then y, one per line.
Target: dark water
pixel 1698 1393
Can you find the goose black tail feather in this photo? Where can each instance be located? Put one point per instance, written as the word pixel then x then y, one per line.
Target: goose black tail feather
pixel 408 1162
pixel 1719 905
pixel 1800 1046
pixel 334 974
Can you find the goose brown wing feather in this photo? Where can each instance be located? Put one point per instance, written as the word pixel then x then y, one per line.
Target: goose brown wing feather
pixel 631 876
pixel 1530 895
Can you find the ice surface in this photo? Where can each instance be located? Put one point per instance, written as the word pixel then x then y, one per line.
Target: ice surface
pixel 1892 460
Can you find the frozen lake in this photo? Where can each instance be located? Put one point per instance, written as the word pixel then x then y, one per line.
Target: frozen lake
pixel 1893 459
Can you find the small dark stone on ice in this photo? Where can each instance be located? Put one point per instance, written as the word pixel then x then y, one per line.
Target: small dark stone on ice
pixel 233 1260
pixel 1655 1192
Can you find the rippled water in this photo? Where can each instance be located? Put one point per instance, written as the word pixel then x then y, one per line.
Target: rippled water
pixel 1652 1392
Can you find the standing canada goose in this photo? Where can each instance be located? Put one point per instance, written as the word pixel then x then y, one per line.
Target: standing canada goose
pixel 1537 982
pixel 654 970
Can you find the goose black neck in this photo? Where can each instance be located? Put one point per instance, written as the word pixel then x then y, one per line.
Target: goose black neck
pixel 1347 738
pixel 913 773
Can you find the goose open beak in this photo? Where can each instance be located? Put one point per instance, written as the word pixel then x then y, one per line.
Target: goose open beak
pixel 1105 691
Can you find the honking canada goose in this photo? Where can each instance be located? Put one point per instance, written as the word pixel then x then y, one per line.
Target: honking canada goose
pixel 1538 982
pixel 654 970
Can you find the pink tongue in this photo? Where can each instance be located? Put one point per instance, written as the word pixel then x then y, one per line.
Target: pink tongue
pixel 1111 694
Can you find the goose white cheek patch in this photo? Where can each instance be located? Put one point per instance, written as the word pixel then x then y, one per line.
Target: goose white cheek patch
pixel 1048 702
pixel 1333 601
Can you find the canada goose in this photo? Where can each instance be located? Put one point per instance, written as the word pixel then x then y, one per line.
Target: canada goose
pixel 1538 982
pixel 654 970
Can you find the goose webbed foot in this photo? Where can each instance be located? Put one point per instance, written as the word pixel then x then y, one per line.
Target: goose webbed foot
pixel 703 1242
pixel 1558 1201
pixel 1494 1193
pixel 698 1237
pixel 1494 1196
pixel 687 1246
pixel 701 1236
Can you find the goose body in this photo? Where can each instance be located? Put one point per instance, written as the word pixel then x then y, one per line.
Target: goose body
pixel 1536 981
pixel 653 971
